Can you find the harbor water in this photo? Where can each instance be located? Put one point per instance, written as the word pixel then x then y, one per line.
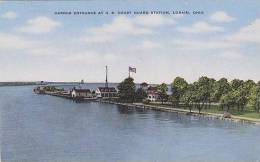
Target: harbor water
pixel 42 128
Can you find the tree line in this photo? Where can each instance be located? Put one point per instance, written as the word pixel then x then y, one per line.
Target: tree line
pixel 201 94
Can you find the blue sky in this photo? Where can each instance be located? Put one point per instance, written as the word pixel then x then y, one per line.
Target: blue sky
pixel 36 44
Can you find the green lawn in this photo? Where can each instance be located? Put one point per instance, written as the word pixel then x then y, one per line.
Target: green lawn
pixel 249 113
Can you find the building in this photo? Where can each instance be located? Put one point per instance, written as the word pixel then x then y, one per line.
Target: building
pixel 144 86
pixel 152 93
pixel 39 90
pixel 106 92
pixel 81 93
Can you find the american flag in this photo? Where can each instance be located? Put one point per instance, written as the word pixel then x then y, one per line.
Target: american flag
pixel 132 69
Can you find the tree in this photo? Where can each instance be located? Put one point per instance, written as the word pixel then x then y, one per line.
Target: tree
pixel 221 87
pixel 162 92
pixel 247 86
pixel 173 100
pixel 205 90
pixel 211 85
pixel 197 96
pixel 254 98
pixel 240 98
pixel 127 90
pixel 236 83
pixel 226 101
pixel 178 86
pixel 140 95
pixel 187 97
pixel 258 83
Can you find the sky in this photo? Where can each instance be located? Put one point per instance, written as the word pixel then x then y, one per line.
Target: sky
pixel 37 44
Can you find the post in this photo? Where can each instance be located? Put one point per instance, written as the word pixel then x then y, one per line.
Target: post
pixel 106 85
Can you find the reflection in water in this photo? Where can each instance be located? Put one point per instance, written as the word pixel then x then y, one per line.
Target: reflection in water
pixel 125 109
pixel 45 128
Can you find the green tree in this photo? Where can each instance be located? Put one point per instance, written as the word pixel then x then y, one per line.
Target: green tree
pixel 187 97
pixel 178 86
pixel 173 100
pixel 258 83
pixel 236 83
pixel 240 98
pixel 162 92
pixel 197 96
pixel 254 98
pixel 140 95
pixel 247 86
pixel 226 101
pixel 205 90
pixel 221 87
pixel 127 90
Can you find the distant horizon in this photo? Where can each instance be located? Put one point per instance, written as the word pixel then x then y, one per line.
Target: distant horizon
pixel 229 80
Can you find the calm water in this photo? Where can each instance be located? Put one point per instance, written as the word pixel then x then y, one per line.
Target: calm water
pixel 44 128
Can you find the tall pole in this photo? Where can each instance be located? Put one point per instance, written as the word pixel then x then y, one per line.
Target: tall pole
pixel 106 85
pixel 128 72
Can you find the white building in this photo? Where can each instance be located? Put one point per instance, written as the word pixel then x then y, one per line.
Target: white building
pixel 81 93
pixel 106 92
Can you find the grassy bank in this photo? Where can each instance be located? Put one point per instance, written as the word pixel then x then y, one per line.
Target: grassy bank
pixel 248 113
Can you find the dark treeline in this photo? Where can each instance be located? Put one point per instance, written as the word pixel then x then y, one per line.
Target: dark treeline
pixel 201 94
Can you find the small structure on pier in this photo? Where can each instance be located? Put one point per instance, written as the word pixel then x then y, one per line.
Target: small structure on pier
pixel 81 93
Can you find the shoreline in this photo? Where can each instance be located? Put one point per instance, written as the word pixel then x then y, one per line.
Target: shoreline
pixel 186 112
pixel 233 118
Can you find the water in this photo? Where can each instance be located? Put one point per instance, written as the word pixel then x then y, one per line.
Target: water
pixel 41 128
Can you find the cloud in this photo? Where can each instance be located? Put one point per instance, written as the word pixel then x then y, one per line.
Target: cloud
pixel 231 55
pixel 200 27
pixel 39 25
pixel 149 45
pixel 203 44
pixel 90 57
pixel 123 26
pixel 119 27
pixel 249 33
pixel 221 16
pixel 9 15
pixel 153 20
pixel 13 43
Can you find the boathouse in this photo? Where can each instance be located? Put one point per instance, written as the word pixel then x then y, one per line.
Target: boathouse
pixel 81 93
pixel 106 92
